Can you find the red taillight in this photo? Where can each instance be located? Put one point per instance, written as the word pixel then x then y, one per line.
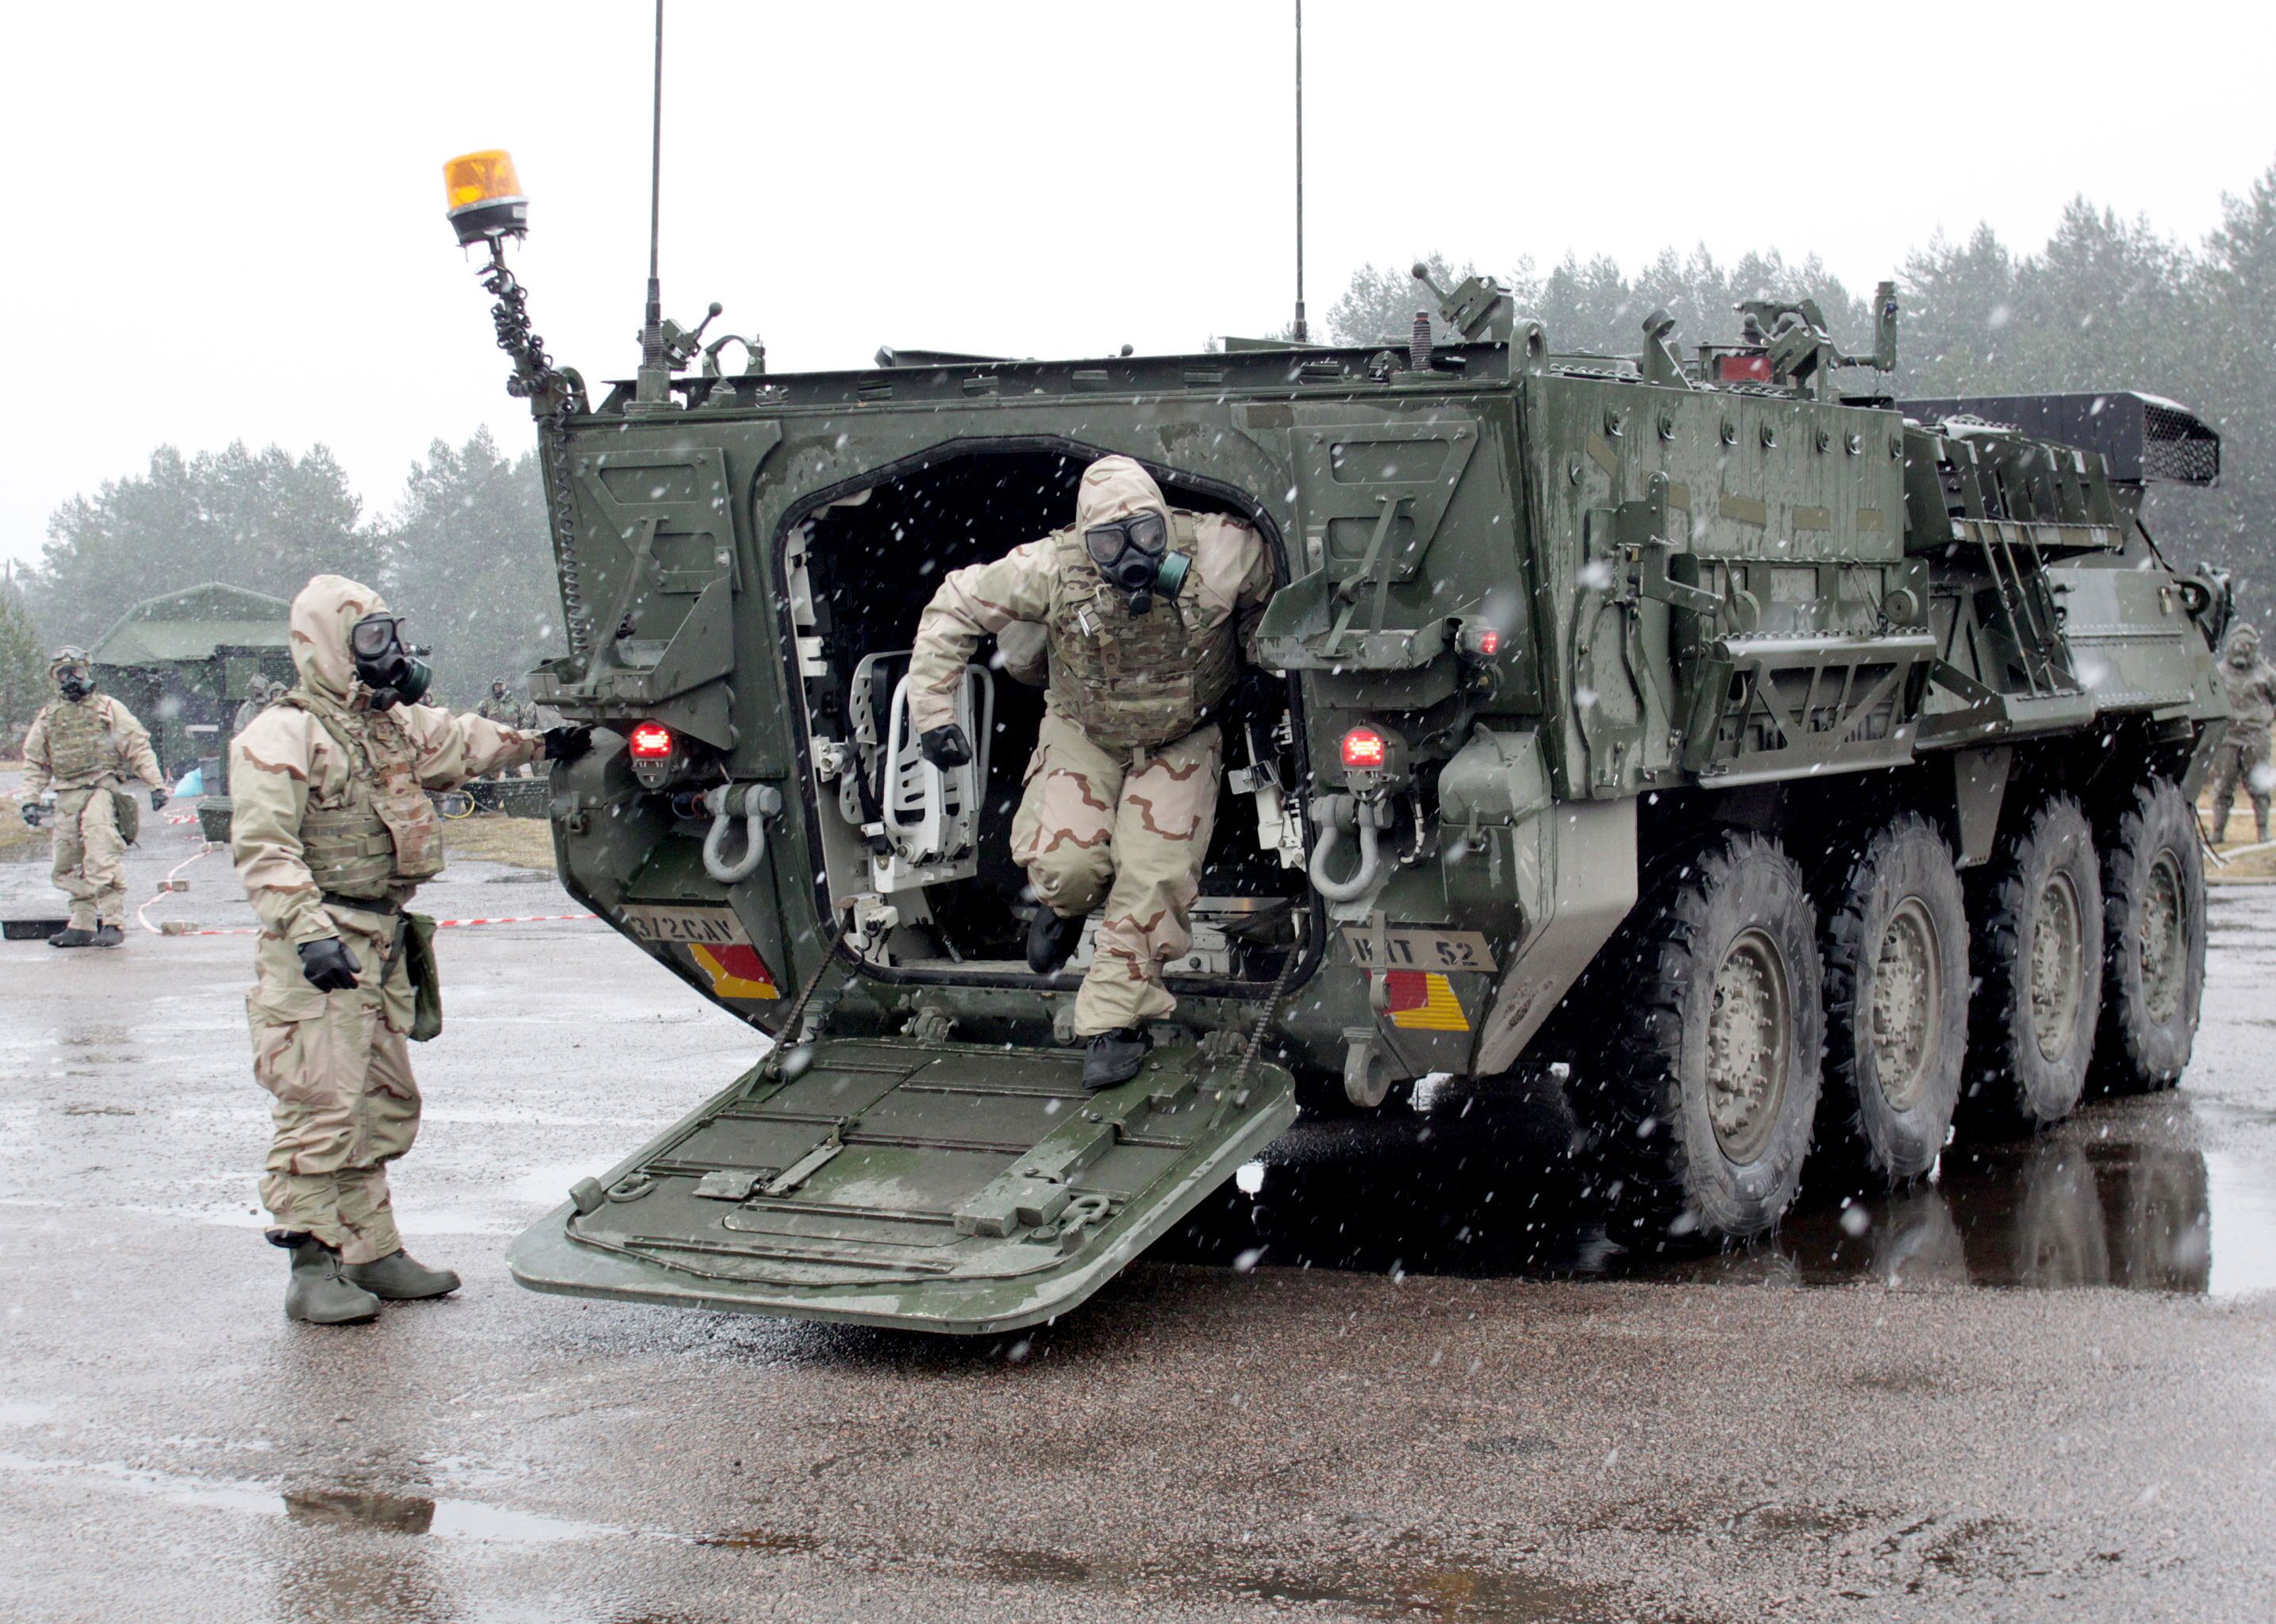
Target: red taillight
pixel 1489 641
pixel 652 741
pixel 1363 749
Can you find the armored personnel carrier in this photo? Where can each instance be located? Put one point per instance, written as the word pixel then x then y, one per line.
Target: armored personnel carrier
pixel 1785 769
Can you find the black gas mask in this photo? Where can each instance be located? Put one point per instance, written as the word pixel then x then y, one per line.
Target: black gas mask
pixel 74 683
pixel 1133 555
pixel 385 663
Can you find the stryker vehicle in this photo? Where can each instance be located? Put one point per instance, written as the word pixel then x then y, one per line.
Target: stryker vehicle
pixel 1781 769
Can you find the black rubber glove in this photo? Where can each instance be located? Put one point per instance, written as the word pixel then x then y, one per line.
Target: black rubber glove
pixel 567 744
pixel 157 799
pixel 945 746
pixel 31 810
pixel 328 965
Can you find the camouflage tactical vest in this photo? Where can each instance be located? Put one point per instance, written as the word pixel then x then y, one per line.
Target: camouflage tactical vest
pixel 1134 681
pixel 79 739
pixel 380 830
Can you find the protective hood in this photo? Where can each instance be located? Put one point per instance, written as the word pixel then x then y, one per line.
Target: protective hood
pixel 1115 487
pixel 322 615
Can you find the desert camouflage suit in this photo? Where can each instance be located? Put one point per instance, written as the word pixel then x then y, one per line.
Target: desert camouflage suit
pixel 2243 757
pixel 84 749
pixel 1121 795
pixel 332 832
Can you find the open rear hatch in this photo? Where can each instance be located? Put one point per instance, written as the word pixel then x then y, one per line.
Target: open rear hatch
pixel 949 1187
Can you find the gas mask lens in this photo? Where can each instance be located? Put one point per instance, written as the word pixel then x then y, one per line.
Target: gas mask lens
pixel 384 665
pixel 75 681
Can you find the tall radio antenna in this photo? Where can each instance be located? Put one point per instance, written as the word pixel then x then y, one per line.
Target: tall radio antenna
pixel 652 333
pixel 1299 332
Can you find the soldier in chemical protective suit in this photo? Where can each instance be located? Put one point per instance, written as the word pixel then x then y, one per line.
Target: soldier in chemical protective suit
pixel 1145 609
pixel 84 746
pixel 505 708
pixel 2243 756
pixel 332 832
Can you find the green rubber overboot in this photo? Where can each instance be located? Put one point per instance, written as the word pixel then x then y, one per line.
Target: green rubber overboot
pixel 320 1293
pixel 400 1278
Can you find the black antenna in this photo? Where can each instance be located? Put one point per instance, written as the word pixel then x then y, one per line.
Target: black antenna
pixel 652 333
pixel 1299 332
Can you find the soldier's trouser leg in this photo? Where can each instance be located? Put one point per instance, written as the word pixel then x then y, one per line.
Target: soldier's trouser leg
pixel 346 1105
pixel 1163 821
pixel 68 850
pixel 1062 834
pixel 2257 780
pixel 2228 769
pixel 99 841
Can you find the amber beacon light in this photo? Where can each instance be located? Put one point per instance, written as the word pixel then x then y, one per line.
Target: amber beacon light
pixel 485 197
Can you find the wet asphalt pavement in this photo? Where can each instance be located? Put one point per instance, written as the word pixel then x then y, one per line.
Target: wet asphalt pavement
pixel 1404 1372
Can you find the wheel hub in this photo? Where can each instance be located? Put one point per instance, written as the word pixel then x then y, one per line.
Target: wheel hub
pixel 1908 1004
pixel 2164 915
pixel 2058 952
pixel 1749 1031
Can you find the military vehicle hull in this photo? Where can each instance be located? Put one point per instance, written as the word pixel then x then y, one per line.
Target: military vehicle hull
pixel 1715 713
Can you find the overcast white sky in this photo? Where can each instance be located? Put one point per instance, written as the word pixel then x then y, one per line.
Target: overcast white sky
pixel 228 218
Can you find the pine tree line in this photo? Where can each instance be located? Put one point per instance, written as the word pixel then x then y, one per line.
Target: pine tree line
pixel 464 555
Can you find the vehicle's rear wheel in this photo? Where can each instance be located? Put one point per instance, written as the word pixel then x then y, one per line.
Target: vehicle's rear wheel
pixel 1895 942
pixel 2037 959
pixel 2153 955
pixel 1701 1101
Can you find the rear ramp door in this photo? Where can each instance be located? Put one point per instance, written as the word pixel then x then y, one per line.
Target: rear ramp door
pixel 942 1187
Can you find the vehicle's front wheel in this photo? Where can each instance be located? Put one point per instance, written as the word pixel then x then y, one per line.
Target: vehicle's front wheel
pixel 1701 1102
pixel 2154 947
pixel 2037 956
pixel 1896 1000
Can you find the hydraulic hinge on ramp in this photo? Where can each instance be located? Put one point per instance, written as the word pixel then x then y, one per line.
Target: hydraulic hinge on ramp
pixel 960 1188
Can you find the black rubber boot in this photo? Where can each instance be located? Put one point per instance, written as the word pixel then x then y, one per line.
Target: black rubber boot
pixel 320 1293
pixel 71 936
pixel 400 1278
pixel 1052 939
pixel 108 936
pixel 1115 1057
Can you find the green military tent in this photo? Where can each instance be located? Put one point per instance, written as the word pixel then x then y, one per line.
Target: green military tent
pixel 183 662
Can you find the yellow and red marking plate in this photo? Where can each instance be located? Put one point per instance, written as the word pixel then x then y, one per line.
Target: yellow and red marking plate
pixel 1424 1000
pixel 714 938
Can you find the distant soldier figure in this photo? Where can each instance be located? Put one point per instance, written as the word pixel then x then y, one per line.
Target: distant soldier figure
pixel 2243 754
pixel 508 710
pixel 258 694
pixel 332 834
pixel 85 746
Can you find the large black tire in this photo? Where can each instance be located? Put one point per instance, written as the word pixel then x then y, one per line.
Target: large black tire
pixel 1895 942
pixel 2037 959
pixel 1700 1095
pixel 2153 911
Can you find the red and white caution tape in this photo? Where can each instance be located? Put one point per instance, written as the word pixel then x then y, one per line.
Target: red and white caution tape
pixel 141 914
pixel 525 918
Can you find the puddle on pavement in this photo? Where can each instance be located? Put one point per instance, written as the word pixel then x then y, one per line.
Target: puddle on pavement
pixel 441 1518
pixel 2109 1198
